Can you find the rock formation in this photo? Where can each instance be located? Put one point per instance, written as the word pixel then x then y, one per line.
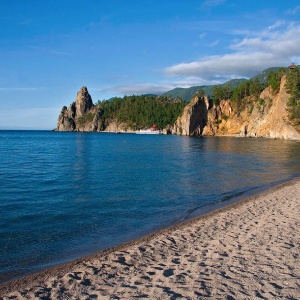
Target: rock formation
pixel 265 117
pixel 83 102
pixel 194 117
pixel 269 117
pixel 82 115
pixel 219 119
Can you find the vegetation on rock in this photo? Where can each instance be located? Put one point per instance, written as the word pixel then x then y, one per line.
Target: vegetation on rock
pixel 248 91
pixel 141 111
pixel 293 88
pixel 274 79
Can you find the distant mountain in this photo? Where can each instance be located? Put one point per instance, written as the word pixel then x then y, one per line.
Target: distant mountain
pixel 234 82
pixel 186 94
pixel 263 76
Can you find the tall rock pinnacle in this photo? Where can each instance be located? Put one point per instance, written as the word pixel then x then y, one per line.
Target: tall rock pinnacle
pixel 69 119
pixel 83 102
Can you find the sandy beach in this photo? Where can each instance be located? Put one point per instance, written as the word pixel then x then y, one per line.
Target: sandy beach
pixel 248 250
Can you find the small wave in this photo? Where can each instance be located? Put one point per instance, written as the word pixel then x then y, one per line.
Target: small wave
pixel 228 197
pixel 190 213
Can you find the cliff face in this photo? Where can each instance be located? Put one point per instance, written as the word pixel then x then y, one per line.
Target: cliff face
pixel 82 115
pixel 266 117
pixel 66 120
pixel 194 117
pixel 83 102
pixel 270 118
pixel 220 119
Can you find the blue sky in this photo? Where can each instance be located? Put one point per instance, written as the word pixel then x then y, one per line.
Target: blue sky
pixel 49 49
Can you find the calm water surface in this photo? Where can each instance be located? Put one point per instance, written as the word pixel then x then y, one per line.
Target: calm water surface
pixel 65 195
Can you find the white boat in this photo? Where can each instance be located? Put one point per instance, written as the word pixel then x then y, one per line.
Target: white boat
pixel 148 131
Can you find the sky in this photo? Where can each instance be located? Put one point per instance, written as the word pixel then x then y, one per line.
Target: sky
pixel 49 49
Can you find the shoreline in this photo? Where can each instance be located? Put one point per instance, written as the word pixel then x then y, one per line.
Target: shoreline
pixel 34 282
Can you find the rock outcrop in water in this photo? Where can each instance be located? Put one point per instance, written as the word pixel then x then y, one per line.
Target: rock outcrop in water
pixel 82 115
pixel 267 117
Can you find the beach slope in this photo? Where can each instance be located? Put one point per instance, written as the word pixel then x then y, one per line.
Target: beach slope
pixel 248 250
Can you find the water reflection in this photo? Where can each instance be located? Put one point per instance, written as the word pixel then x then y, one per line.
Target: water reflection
pixel 80 165
pixel 81 171
pixel 211 167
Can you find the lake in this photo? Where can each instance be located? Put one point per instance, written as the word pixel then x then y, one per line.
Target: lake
pixel 65 194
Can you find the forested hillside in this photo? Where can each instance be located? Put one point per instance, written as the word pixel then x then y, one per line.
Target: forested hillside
pixel 246 94
pixel 187 93
pixel 141 111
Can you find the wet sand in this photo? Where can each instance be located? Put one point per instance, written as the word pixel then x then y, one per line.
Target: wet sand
pixel 248 250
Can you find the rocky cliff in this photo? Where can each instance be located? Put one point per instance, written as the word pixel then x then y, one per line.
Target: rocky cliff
pixel 269 117
pixel 263 117
pixel 83 102
pixel 81 115
pixel 194 117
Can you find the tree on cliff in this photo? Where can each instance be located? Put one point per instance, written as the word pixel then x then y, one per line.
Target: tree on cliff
pixel 249 88
pixel 274 79
pixel 293 88
pixel 200 93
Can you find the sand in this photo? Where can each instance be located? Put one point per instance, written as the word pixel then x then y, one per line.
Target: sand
pixel 248 250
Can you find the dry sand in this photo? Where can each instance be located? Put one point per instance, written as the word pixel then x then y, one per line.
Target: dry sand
pixel 249 250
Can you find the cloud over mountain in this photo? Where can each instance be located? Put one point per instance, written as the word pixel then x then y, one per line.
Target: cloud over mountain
pixel 277 45
pixel 137 89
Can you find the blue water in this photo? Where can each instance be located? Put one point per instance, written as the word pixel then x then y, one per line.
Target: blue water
pixel 66 195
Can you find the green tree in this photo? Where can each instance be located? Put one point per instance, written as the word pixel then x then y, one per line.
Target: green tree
pixel 200 93
pixel 274 79
pixel 293 88
pixel 227 91
pixel 218 94
pixel 141 111
pixel 255 88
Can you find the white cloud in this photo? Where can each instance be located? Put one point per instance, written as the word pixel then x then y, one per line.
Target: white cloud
pixel 136 89
pixel 274 46
pixel 215 43
pixel 202 35
pixel 294 10
pixel 277 24
pixel 280 44
pixel 193 81
pixel 157 89
pixel 265 32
